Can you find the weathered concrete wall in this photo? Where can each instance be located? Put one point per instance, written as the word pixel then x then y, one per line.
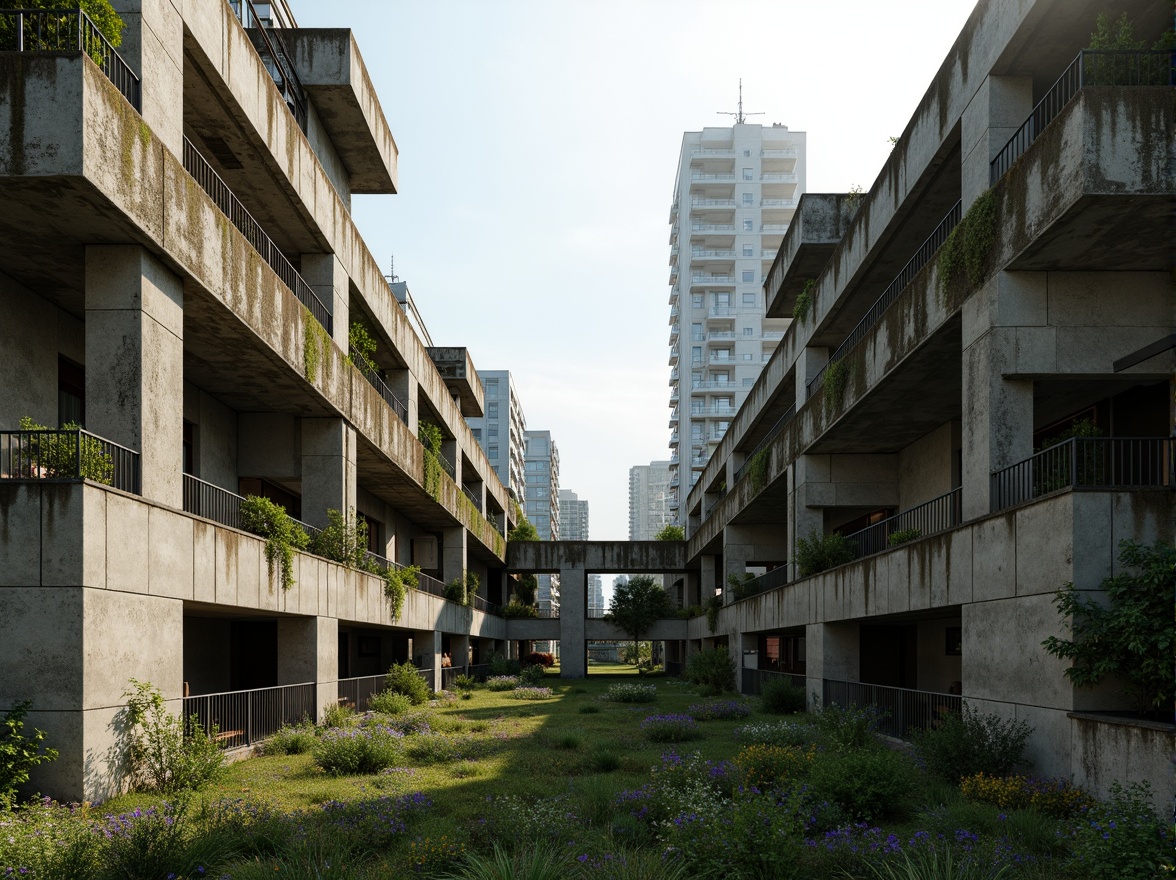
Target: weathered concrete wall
pixel 925 467
pixel 642 557
pixel 1105 750
pixel 32 334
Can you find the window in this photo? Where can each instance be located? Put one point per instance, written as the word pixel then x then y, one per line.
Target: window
pixel 748 226
pixel 492 452
pixel 477 432
pixel 749 198
pixel 722 403
pixel 492 431
pixel 749 250
pixel 537 491
pixel 747 382
pixel 748 331
pixel 722 299
pixel 696 354
pixel 749 299
pixel 696 431
pixel 749 357
pixel 747 152
pixel 189 446
pixel 723 354
pixel 71 392
pixel 492 410
pixel 696 300
pixel 696 330
pixel 491 387
pixel 749 274
pixel 747 174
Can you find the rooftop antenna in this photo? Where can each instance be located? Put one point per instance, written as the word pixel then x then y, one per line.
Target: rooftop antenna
pixel 392 268
pixel 740 116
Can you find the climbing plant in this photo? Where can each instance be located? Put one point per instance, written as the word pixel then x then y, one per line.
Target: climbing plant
pixel 430 437
pixel 804 300
pixel 757 470
pixel 360 342
pixel 966 251
pixel 836 379
pixel 282 534
pixel 315 344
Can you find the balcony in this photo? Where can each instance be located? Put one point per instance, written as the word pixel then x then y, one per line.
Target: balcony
pixel 711 279
pixel 712 227
pixel 728 204
pixel 712 178
pixel 713 412
pixel 68 455
pixel 722 312
pixel 722 360
pixel 774 228
pixel 937 515
pixel 779 178
pixel 778 203
pixel 789 153
pixel 712 385
pixel 716 254
pixel 369 372
pixel 714 154
pixel 721 336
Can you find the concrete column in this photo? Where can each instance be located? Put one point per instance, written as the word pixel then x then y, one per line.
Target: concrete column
pixel 459 650
pixel 708 577
pixel 573 646
pixel 328 279
pixel 308 650
pixel 328 469
pixel 405 387
pixel 996 111
pixel 426 654
pixel 692 589
pixel 453 456
pixel 741 642
pixel 808 365
pixel 135 362
pixel 153 46
pixel 832 650
pixel 453 553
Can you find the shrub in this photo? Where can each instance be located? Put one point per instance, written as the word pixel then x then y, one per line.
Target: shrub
pixel 291 740
pixel 901 536
pixel 59 455
pixel 465 683
pixel 631 693
pixel 780 696
pixel 500 665
pixel 156 842
pixel 712 668
pixel 161 755
pixel 337 715
pixel 849 727
pixel 343 540
pixel 516 610
pixel 713 605
pixel 530 693
pixel 531 675
pixel 780 733
pixel 343 751
pixel 391 703
pixel 719 710
pixel 282 534
pixel 670 728
pixel 765 766
pixel 1055 797
pixel 404 678
pixel 1121 839
pixel 867 784
pixel 19 753
pixel 971 743
pixel 539 658
pixel 502 682
pixel 588 710
pixel 817 553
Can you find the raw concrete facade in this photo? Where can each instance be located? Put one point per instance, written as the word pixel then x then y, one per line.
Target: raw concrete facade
pixel 905 403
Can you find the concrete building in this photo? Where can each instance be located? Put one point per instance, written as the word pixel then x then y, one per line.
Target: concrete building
pixel 650 498
pixel 542 507
pixel 734 195
pixel 573 516
pixel 596 606
pixel 180 275
pixel 502 430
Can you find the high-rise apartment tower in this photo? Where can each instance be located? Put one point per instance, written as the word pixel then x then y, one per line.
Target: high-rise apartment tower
pixel 649 500
pixel 573 516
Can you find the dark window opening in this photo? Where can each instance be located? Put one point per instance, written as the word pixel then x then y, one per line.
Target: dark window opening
pixel 71 392
pixel 272 491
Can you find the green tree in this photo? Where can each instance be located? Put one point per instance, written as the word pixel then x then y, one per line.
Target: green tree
pixel 670 532
pixel 636 605
pixel 524 531
pixel 1132 635
pixel 100 12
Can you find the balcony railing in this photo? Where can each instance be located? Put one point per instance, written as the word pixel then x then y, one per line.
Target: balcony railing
pixel 774 227
pixel 712 279
pixel 231 207
pixel 936 515
pixel 477 501
pixel 68 456
pixel 1086 463
pixel 712 203
pixel 242 718
pixel 722 178
pixel 205 500
pixel 369 372
pixel 276 58
pixel 900 710
pixel 712 227
pixel 773 433
pixel 68 30
pixel 778 203
pixel 755 679
pixel 722 253
pixel 777 577
pixel 358 692
pixel 1092 67
pixel 914 265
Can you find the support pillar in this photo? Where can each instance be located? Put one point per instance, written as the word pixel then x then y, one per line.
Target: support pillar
pixel 308 650
pixel 459 650
pixel 135 362
pixel 573 609
pixel 832 651
pixel 153 45
pixel 426 655
pixel 996 111
pixel 328 279
pixel 810 362
pixel 328 469
pixel 453 553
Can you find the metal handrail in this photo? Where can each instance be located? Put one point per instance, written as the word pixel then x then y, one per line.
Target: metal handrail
pixel 773 433
pixel 281 72
pixel 1092 67
pixel 53 30
pixel 203 499
pixel 229 205
pixel 1086 463
pixel 68 455
pixel 754 680
pixel 900 710
pixel 474 498
pixel 242 718
pixel 357 692
pixel 777 577
pixel 914 265
pixel 368 371
pixel 937 515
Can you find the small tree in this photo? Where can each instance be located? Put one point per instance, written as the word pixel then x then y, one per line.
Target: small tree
pixel 636 605
pixel 19 752
pixel 670 532
pixel 1133 635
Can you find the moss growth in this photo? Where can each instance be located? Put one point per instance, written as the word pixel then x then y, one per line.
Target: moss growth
pixel 315 345
pixel 836 380
pixel 713 606
pixel 430 437
pixel 144 134
pixel 804 300
pixel 757 470
pixel 964 257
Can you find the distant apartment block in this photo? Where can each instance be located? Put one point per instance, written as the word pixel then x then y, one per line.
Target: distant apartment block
pixel 501 432
pixel 573 516
pixel 650 499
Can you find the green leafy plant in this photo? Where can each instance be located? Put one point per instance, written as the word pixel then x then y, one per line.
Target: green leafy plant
pixel 804 300
pixel 853 199
pixel 391 703
pixel 516 610
pixel 866 784
pixel 430 437
pixel 343 540
pixel 757 470
pixel 361 343
pixel 397 583
pixel 1083 466
pixel 58 455
pixel 1121 839
pixel 1132 636
pixel 835 382
pixel 781 697
pixel 19 752
pixel 298 739
pixel 162 755
pixel 713 605
pixel 849 727
pixel 637 605
pixel 970 743
pixel 282 534
pixel 670 532
pixel 364 749
pixel 338 714
pixel 100 12
pixel 818 553
pixel 316 342
pixel 712 668
pixel 901 536
pixel 404 678
pixel 966 250
pixel 462 590
pixel 740 585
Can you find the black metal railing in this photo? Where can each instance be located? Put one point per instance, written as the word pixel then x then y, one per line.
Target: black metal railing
pixel 369 372
pixel 914 265
pixel 900 710
pixel 231 207
pixel 485 605
pixel 242 718
pixel 1086 463
pixel 68 455
pixel 937 515
pixel 477 502
pixel 68 30
pixel 773 433
pixel 212 502
pixel 479 671
pixel 755 679
pixel 1092 67
pixel 276 58
pixel 358 692
pixel 449 676
pixel 777 577
pixel 427 677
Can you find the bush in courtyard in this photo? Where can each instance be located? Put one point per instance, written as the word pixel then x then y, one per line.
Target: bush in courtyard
pixel 19 753
pixel 516 610
pixel 530 693
pixel 866 784
pixel 631 693
pixel 818 553
pixel 465 682
pixel 767 766
pixel 532 674
pixel 500 665
pixel 404 678
pixel 502 682
pixel 343 751
pixel 1121 839
pixel 672 727
pixel 712 668
pixel 849 727
pixel 391 703
pixel 291 739
pixel 776 733
pixel 970 743
pixel 337 714
pixel 719 710
pixel 161 754
pixel 781 697
pixel 1059 798
pixel 539 658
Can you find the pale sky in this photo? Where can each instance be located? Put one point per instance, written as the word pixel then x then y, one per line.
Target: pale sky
pixel 538 146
